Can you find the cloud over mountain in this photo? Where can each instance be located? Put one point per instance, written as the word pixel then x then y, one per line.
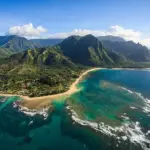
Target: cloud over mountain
pixel 128 34
pixel 27 30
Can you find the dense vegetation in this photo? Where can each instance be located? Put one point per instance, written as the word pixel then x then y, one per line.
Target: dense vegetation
pixel 35 80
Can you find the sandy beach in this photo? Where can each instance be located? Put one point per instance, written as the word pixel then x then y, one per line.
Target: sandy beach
pixel 43 101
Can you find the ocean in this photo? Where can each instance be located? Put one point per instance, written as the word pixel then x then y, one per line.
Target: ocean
pixel 110 112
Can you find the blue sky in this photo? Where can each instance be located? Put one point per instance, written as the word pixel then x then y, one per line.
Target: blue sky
pixel 59 16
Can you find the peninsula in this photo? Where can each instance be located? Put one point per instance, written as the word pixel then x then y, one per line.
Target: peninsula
pixel 43 101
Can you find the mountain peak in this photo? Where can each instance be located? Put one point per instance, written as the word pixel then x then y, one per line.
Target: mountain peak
pixel 90 40
pixel 87 50
pixel 90 37
pixel 14 44
pixel 74 36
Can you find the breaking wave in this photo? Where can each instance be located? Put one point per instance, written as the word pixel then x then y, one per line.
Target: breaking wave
pixel 146 101
pixel 129 131
pixel 32 112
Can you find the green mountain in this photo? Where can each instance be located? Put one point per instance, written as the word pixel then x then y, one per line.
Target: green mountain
pixel 46 42
pixel 88 50
pixel 13 44
pixel 129 49
pixel 111 38
pixel 41 56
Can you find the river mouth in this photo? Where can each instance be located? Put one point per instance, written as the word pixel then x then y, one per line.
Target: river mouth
pixel 110 112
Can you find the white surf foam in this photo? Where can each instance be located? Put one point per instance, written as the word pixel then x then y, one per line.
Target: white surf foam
pixel 125 117
pixel 146 101
pixel 132 107
pixel 32 112
pixel 130 130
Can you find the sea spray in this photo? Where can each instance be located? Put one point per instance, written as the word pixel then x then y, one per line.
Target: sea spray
pixel 32 112
pixel 130 130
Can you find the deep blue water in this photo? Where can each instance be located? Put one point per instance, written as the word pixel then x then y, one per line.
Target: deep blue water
pixel 136 80
pixel 111 112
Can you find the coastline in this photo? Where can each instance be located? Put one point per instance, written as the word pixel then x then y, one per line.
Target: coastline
pixel 34 102
pixel 45 101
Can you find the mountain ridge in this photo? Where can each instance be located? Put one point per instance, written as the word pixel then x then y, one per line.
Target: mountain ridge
pixel 131 50
pixel 13 44
pixel 87 50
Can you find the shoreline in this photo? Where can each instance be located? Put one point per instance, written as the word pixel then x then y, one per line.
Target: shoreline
pixel 45 101
pixel 73 87
pixel 32 102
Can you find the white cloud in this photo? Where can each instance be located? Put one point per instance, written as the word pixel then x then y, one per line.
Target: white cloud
pixel 146 42
pixel 80 32
pixel 127 34
pixel 27 30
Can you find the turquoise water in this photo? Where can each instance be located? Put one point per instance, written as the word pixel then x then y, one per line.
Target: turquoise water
pixel 111 112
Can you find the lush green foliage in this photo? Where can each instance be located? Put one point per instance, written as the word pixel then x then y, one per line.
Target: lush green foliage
pixel 34 80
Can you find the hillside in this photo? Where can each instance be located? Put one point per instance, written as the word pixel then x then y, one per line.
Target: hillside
pixel 41 56
pixel 129 49
pixel 13 44
pixel 88 50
